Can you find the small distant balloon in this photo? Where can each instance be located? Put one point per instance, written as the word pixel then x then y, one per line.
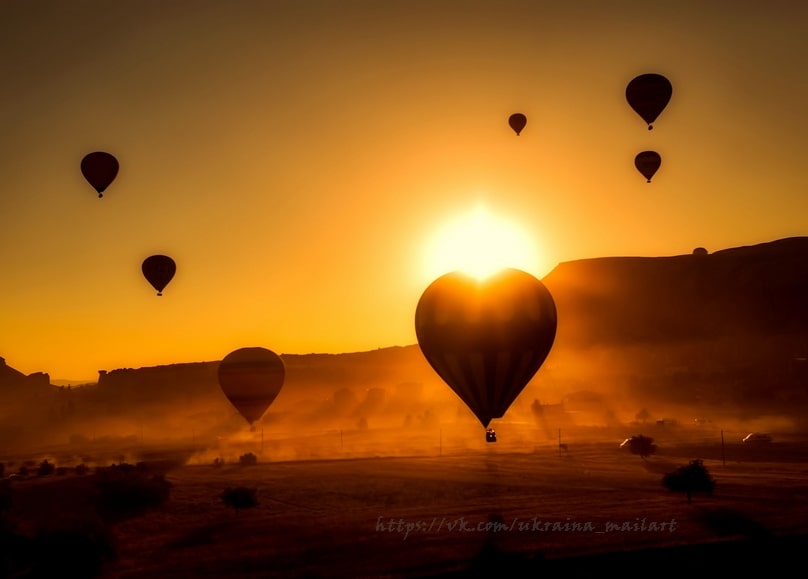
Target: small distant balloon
pixel 648 95
pixel 158 271
pixel 518 122
pixel 251 379
pixel 100 170
pixel 648 163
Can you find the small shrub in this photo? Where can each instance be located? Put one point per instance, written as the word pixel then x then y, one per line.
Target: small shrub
pixel 239 498
pixel 248 459
pixel 689 479
pixel 642 445
pixel 45 468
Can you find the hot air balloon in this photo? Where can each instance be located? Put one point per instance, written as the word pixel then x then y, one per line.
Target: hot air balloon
pixel 517 121
pixel 648 95
pixel 100 170
pixel 251 378
pixel 486 338
pixel 648 163
pixel 159 270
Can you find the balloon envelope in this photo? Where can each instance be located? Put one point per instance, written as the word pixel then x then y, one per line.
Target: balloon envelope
pixel 648 95
pixel 159 270
pixel 486 338
pixel 251 378
pixel 517 121
pixel 100 170
pixel 648 163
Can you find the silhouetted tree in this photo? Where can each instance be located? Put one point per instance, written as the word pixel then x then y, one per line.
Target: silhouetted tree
pixel 248 459
pixel 45 468
pixel 239 498
pixel 643 415
pixel 642 445
pixel 82 469
pixel 218 462
pixel 689 479
pixel 2 468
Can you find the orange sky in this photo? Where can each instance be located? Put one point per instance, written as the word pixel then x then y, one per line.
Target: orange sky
pixel 297 158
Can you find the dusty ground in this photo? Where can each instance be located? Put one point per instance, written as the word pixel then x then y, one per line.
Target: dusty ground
pixel 432 515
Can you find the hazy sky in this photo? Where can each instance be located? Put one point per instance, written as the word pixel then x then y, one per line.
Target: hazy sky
pixel 299 159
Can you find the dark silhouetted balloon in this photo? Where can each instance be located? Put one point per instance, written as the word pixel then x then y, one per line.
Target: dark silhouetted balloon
pixel 700 251
pixel 517 121
pixel 648 163
pixel 486 338
pixel 159 270
pixel 251 378
pixel 648 95
pixel 100 170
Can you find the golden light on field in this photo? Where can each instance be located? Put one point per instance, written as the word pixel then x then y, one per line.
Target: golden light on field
pixel 481 242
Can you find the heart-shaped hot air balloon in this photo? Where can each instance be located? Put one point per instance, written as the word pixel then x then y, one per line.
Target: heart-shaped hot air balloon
pixel 486 338
pixel 251 379
pixel 158 271
pixel 100 170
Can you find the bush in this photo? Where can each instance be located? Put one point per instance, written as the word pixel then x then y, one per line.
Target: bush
pixel 239 498
pixel 642 445
pixel 218 462
pixel 248 459
pixel 689 479
pixel 82 469
pixel 45 468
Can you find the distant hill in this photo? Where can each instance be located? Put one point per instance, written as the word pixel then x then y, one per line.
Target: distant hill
pixel 726 330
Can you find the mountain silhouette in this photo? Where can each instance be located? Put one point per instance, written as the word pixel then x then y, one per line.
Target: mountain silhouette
pixel 758 289
pixel 728 328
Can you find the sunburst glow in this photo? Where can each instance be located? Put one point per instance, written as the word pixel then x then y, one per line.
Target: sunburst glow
pixel 480 243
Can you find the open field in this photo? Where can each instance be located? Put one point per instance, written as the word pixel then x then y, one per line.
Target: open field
pixel 432 515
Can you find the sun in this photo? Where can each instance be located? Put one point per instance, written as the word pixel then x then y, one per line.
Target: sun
pixel 480 243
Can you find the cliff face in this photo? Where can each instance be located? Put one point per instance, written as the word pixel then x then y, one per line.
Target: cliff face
pixel 12 380
pixel 758 290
